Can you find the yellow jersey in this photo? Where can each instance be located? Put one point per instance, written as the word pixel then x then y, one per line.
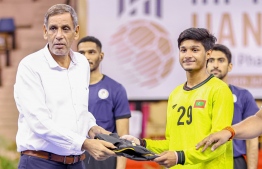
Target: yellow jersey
pixel 193 114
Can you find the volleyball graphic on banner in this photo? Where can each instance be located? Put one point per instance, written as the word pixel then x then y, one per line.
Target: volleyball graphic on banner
pixel 143 52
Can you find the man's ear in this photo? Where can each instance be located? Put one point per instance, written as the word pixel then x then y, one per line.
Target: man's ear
pixel 101 56
pixel 230 67
pixel 76 36
pixel 208 54
pixel 45 32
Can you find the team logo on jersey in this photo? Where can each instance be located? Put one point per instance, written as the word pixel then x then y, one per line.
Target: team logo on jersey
pixel 200 104
pixel 103 94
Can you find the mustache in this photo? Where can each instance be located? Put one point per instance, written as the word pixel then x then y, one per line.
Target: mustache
pixel 215 70
pixel 188 60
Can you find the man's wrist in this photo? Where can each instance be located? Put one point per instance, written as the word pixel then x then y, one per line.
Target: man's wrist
pixel 231 130
pixel 83 148
pixel 176 157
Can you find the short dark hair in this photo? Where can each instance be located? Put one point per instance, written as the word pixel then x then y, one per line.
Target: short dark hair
pixel 225 50
pixel 199 34
pixel 91 39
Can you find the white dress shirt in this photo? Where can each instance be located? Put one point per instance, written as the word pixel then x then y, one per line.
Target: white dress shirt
pixel 53 103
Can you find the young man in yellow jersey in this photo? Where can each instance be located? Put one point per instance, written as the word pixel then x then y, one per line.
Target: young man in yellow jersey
pixel 200 106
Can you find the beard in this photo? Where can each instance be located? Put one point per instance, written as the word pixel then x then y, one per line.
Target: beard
pixel 93 67
pixel 188 69
pixel 219 75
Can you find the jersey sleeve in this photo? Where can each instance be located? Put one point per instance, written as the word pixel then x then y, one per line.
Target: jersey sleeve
pixel 121 108
pixel 222 114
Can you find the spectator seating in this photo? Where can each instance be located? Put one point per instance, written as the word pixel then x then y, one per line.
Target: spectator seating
pixel 7 25
pixel 3 49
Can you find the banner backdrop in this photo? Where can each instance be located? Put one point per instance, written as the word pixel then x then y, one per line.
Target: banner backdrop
pixel 139 39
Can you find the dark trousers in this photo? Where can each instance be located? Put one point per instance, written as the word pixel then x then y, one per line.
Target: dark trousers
pixel 240 163
pixel 31 162
pixel 91 163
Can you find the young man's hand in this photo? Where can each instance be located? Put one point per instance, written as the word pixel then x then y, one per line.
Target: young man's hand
pixel 131 138
pixel 167 159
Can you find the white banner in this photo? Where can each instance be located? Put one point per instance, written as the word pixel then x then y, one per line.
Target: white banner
pixel 139 38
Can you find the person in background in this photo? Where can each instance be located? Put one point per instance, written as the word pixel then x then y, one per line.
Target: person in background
pixel 200 106
pixel 219 64
pixel 107 101
pixel 51 95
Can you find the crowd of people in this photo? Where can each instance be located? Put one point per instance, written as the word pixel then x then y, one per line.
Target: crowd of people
pixel 64 100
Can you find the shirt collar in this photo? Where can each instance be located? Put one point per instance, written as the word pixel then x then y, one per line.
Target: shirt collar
pixel 51 61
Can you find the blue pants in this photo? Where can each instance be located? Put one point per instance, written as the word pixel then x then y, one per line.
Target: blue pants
pixel 91 163
pixel 31 162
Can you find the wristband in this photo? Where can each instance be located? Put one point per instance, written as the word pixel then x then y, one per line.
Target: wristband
pixel 231 130
pixel 181 157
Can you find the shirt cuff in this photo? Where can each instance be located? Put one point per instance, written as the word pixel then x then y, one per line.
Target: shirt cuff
pixel 79 141
pixel 91 124
pixel 180 157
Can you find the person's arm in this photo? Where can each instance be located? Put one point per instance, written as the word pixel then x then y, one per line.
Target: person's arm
pixel 252 153
pixel 247 129
pixel 156 146
pixel 122 128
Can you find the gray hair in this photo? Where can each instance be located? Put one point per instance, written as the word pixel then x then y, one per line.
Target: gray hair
pixel 61 9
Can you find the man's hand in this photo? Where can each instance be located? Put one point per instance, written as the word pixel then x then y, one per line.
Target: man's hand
pixel 99 149
pixel 95 130
pixel 167 159
pixel 131 138
pixel 215 140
